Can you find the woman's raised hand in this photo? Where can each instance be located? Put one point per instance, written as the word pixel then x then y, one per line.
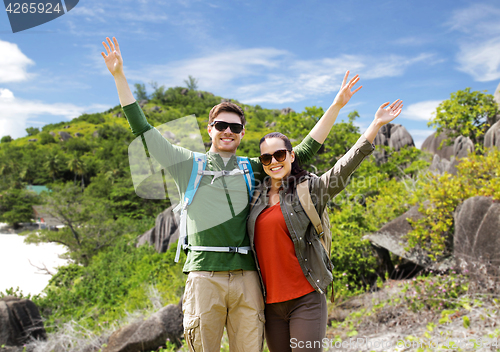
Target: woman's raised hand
pixel 113 58
pixel 386 113
pixel 345 93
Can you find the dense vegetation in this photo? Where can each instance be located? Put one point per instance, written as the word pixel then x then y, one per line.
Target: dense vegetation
pixel 91 189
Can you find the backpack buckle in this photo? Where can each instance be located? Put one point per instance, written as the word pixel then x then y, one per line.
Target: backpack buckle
pixel 232 249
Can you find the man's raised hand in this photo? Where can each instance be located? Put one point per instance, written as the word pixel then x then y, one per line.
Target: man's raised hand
pixel 345 93
pixel 113 58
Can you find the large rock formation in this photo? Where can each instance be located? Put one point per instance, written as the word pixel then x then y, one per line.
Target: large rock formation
pixel 461 147
pixel 392 135
pixel 150 334
pixel 496 95
pixel 477 236
pixel 64 136
pixel 492 136
pixel 20 321
pixel 164 233
pixel 395 136
pixel 433 142
pixel 392 238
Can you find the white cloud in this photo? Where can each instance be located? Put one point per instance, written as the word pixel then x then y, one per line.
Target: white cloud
pixel 16 112
pixel 479 49
pixel 477 19
pixel 262 75
pixel 214 71
pixel 481 60
pixel 422 111
pixel 411 41
pixel 13 63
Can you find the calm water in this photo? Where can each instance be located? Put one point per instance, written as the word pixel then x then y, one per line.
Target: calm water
pixel 15 267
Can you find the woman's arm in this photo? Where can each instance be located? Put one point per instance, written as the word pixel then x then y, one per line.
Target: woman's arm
pixel 336 179
pixel 313 141
pixel 382 117
pixel 322 128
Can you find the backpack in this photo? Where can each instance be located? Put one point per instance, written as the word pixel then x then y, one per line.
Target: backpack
pixel 322 226
pixel 198 171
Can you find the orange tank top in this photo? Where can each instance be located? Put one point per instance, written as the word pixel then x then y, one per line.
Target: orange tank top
pixel 281 272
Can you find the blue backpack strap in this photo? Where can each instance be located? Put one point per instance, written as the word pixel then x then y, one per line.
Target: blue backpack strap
pixel 244 164
pixel 199 164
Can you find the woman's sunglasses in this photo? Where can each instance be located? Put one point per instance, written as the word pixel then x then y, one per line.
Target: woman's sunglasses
pixel 279 155
pixel 222 126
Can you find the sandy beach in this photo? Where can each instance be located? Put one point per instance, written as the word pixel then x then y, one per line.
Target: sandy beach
pixel 15 258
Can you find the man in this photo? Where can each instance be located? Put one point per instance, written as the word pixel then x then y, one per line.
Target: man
pixel 223 287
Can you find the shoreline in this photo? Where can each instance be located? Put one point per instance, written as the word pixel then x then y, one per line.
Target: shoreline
pixel 9 230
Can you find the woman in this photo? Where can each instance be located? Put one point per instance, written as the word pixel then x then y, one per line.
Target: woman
pixel 292 263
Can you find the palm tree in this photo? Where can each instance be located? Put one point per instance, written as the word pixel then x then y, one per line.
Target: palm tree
pixel 53 164
pixel 77 167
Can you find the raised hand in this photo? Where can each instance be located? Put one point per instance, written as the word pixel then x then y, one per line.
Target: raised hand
pixel 386 114
pixel 113 59
pixel 345 93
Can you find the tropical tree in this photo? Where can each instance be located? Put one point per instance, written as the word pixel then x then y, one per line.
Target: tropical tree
pixel 6 139
pixel 191 83
pixel 77 166
pixel 140 92
pixel 53 164
pixel 16 206
pixel 89 225
pixel 466 113
pixel 32 131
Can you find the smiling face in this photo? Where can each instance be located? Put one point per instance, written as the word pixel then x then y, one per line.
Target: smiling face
pixel 278 170
pixel 225 142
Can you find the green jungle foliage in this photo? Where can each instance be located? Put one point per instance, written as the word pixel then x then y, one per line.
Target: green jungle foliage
pixel 119 280
pixel 466 113
pixel 91 189
pixel 478 175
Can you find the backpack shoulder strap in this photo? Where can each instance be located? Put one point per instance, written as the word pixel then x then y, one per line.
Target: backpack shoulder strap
pixel 307 203
pixel 256 195
pixel 244 164
pixel 199 164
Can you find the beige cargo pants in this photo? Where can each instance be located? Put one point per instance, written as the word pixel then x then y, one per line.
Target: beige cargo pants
pixel 214 299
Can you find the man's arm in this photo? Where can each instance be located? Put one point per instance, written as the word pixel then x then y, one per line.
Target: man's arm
pixel 114 63
pixel 171 157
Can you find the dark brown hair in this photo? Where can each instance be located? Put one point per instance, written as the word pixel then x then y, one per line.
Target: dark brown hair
pixel 226 107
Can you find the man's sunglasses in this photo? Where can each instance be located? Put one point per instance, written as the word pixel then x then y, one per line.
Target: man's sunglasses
pixel 279 155
pixel 222 126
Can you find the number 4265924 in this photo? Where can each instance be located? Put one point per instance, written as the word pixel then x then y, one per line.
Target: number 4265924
pixel 33 7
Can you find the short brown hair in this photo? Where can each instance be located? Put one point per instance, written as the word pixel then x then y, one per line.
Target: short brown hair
pixel 226 107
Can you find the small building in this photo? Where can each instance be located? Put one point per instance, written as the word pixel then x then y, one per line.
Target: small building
pixel 36 188
pixel 44 219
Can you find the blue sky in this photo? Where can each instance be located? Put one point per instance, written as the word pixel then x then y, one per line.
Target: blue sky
pixel 273 53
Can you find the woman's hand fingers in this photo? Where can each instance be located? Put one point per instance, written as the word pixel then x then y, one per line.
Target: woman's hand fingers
pixel 384 105
pixel 345 78
pixel 106 47
pixel 357 89
pixel 117 47
pixel 111 45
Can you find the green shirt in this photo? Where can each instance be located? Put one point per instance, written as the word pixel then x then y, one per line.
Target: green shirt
pixel 218 214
